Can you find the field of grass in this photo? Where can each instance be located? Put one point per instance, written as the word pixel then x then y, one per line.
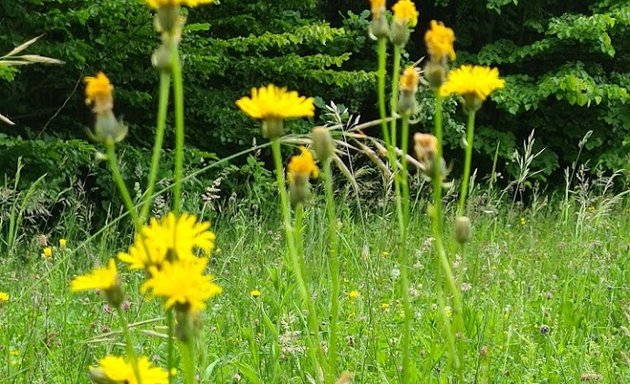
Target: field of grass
pixel 545 301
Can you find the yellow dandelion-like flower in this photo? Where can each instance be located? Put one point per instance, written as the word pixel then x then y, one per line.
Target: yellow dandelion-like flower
pixel 47 252
pixel 255 293
pixel 180 235
pixel 378 7
pixel 157 4
pixel 439 40
pixel 271 102
pixel 102 278
pixel 385 306
pixel 409 80
pixel 98 89
pixel 144 255
pixel 476 82
pixel 405 12
pixel 523 221
pixel 302 167
pixel 63 243
pixel 183 283
pixel 116 370
pixel 4 297
pixel 354 294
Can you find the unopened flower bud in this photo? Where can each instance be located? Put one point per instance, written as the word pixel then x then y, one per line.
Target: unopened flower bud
pixel 108 129
pixel 435 73
pixel 299 193
pixel 323 144
pixel 272 128
pixel 161 58
pixel 399 34
pixel 167 18
pixel 463 229
pixel 379 27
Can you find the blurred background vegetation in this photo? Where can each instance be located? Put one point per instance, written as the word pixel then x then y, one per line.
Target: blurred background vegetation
pixel 567 66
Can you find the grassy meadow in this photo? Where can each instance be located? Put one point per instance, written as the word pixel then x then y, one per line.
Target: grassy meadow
pixel 544 301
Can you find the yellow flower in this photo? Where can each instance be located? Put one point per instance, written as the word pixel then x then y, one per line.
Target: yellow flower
pixel 385 306
pixel 523 221
pixel 439 40
pixel 142 255
pixel 472 82
pixel 302 167
pixel 98 91
pixel 156 4
pixel 255 293
pixel 4 297
pixel 448 311
pixel 405 13
pixel 409 80
pixel 63 243
pixel 378 7
pixel 183 283
pixel 103 278
pixel 354 294
pixel 426 146
pixel 271 102
pixel 116 370
pixel 48 252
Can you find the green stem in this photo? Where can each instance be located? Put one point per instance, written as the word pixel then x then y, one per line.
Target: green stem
pixel 333 264
pixel 382 57
pixel 131 354
pixel 165 81
pixel 470 135
pixel 169 345
pixel 393 103
pixel 188 359
pixel 404 259
pixel 447 273
pixel 120 183
pixel 178 91
pixel 315 350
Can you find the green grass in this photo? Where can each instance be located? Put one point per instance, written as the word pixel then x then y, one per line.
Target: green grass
pixel 544 302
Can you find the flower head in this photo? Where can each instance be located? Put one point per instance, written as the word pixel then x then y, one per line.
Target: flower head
pixel 98 92
pixel 475 83
pixel 142 255
pixel 426 146
pixel 271 102
pixel 405 13
pixel 157 4
pixel 116 370
pixel 378 7
pixel 102 278
pixel 183 283
pixel 354 294
pixel 63 243
pixel 409 80
pixel 302 167
pixel 47 252
pixel 439 40
pixel 4 297
pixel 255 293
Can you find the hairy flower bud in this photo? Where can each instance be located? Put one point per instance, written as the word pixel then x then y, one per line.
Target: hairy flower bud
pixel 272 128
pixel 399 34
pixel 323 144
pixel 108 129
pixel 379 27
pixel 462 229
pixel 167 18
pixel 161 58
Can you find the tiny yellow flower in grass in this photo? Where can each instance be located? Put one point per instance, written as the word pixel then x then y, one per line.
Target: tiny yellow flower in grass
pixel 448 311
pixel 523 221
pixel 272 102
pixel 474 83
pixel 102 278
pixel 63 243
pixel 113 369
pixel 255 293
pixel 302 167
pixel 385 306
pixel 405 13
pixel 4 297
pixel 183 283
pixel 48 252
pixel 157 4
pixel 98 91
pixel 439 40
pixel 354 294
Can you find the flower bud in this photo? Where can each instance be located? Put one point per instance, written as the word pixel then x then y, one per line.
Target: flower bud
pixel 463 229
pixel 108 129
pixel 323 144
pixel 299 193
pixel 435 73
pixel 167 18
pixel 399 34
pixel 161 58
pixel 272 128
pixel 379 27
pixel 114 296
pixel 471 103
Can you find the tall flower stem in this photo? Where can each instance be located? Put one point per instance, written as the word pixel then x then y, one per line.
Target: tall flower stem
pixel 382 58
pixel 188 352
pixel 178 93
pixel 120 183
pixel 470 135
pixel 404 257
pixel 333 264
pixel 315 350
pixel 169 344
pixel 442 259
pixel 165 82
pixel 131 354
pixel 393 103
